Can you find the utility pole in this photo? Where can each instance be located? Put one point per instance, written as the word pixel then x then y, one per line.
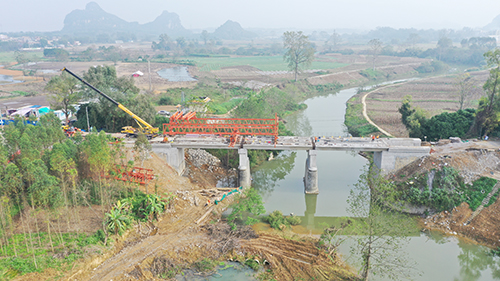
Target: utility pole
pixel 149 70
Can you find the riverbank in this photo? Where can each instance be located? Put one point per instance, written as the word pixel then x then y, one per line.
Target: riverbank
pixel 472 160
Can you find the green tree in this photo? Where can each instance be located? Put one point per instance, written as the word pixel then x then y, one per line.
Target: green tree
pixel 414 119
pixel 299 51
pixel 165 43
pixel 247 207
pixel 487 118
pixel 64 93
pixel 22 58
pixel 381 232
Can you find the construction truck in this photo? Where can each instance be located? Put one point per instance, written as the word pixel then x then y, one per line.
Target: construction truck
pixel 144 127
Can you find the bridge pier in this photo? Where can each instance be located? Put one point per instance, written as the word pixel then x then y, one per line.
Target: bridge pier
pixel 173 155
pixel 311 173
pixel 244 176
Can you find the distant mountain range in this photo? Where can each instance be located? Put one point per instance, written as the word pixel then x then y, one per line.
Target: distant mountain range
pixel 94 20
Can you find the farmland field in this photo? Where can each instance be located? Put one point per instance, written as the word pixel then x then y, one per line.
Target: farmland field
pixel 434 95
pixel 264 63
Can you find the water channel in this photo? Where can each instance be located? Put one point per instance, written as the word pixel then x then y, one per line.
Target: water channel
pixel 280 182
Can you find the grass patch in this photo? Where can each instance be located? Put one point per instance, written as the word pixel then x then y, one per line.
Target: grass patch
pixel 479 189
pixel 372 74
pixel 223 108
pixel 356 124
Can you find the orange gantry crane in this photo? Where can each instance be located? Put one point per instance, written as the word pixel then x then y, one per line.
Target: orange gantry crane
pixel 187 123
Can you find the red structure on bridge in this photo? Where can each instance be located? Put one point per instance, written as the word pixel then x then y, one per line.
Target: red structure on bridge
pixel 188 123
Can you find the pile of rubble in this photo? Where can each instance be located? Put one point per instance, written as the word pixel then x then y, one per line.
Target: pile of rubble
pixel 199 158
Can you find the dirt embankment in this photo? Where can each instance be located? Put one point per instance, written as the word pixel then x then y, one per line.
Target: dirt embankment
pixel 473 160
pixel 191 230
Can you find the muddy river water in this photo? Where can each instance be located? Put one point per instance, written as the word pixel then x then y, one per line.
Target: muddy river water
pixel 280 182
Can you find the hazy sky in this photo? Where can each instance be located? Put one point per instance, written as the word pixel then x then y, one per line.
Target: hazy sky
pixel 48 15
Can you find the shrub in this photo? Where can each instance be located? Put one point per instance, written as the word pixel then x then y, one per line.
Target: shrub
pixel 278 221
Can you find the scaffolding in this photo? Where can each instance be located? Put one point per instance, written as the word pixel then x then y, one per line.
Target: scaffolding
pixel 234 128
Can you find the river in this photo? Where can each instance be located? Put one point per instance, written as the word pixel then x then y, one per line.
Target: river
pixel 280 182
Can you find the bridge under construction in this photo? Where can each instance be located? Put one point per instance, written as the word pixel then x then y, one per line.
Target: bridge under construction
pixel 188 131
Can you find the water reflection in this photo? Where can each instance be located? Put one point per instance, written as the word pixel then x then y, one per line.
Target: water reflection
pixel 265 179
pixel 176 74
pixel 7 79
pixel 299 124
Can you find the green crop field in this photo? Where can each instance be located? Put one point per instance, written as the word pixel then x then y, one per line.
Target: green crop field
pixel 6 57
pixel 265 63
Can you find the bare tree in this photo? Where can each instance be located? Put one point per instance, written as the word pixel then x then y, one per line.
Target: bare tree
pixel 333 41
pixel 300 52
pixel 375 48
pixel 204 36
pixel 466 87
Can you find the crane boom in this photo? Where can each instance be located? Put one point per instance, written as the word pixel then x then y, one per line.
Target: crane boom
pixel 150 130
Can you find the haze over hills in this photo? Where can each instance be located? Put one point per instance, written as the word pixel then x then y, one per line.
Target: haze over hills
pixel 94 20
pixel 232 30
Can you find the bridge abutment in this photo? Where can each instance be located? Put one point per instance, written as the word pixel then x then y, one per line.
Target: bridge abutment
pixel 244 176
pixel 311 173
pixel 174 156
pixel 401 152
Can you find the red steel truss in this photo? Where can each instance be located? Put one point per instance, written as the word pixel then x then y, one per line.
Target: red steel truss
pixel 188 123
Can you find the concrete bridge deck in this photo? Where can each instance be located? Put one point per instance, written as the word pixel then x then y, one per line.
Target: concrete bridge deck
pixel 389 153
pixel 290 143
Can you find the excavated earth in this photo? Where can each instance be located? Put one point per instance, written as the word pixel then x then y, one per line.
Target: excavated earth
pixel 192 229
pixel 472 159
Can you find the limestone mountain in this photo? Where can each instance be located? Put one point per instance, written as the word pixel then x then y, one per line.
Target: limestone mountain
pixel 94 20
pixel 168 23
pixel 494 25
pixel 232 30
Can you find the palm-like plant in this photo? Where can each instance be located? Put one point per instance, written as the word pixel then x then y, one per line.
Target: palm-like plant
pixel 154 206
pixel 117 220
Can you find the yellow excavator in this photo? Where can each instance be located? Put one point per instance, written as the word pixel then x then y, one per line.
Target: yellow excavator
pixel 145 128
